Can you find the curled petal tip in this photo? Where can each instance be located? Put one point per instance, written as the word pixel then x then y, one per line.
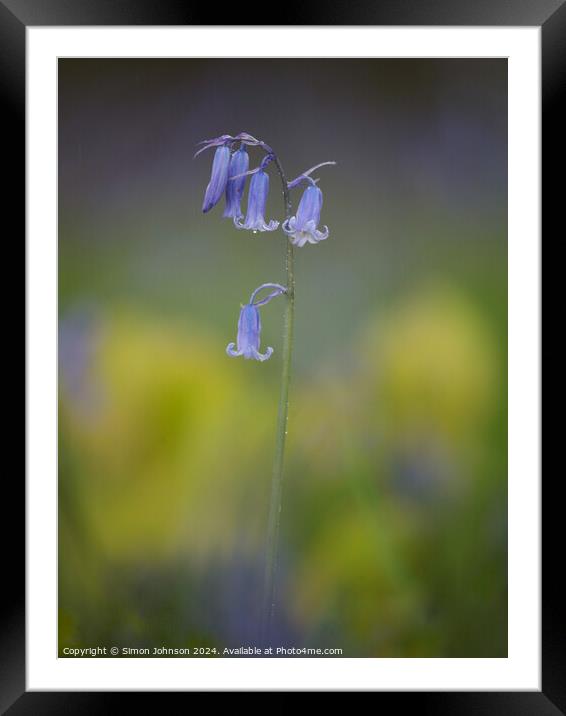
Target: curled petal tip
pixel 317 235
pixel 265 356
pixel 288 225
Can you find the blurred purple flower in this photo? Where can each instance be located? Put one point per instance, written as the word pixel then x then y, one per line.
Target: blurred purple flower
pixel 257 198
pixel 77 344
pixel 302 228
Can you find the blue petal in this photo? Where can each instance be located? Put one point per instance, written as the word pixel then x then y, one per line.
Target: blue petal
pixel 265 356
pixel 218 178
pixel 239 163
pixel 309 207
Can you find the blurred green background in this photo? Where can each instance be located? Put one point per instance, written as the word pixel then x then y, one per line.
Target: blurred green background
pixel 394 522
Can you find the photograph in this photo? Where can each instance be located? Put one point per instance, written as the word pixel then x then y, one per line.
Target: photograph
pixel 282 317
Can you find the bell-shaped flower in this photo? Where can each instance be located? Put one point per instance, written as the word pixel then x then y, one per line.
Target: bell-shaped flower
pixel 302 228
pixel 257 198
pixel 249 326
pixel 218 178
pixel 238 166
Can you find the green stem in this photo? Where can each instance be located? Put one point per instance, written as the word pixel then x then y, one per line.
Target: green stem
pixel 281 432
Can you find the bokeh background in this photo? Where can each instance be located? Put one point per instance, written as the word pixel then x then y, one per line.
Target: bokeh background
pixel 394 522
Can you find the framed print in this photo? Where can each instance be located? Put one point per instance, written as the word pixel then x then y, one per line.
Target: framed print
pixel 283 354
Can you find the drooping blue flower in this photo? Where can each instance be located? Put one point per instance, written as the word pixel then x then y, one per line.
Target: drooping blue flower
pixel 249 329
pixel 257 198
pixel 218 178
pixel 302 228
pixel 249 326
pixel 239 163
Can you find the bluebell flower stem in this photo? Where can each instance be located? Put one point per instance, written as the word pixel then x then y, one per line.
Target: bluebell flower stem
pixel 281 432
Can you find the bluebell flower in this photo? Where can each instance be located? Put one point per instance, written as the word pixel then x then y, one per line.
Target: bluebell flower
pixel 239 163
pixel 249 329
pixel 249 326
pixel 302 228
pixel 218 178
pixel 257 198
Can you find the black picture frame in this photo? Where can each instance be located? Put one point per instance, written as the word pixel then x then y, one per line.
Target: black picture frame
pixel 15 16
